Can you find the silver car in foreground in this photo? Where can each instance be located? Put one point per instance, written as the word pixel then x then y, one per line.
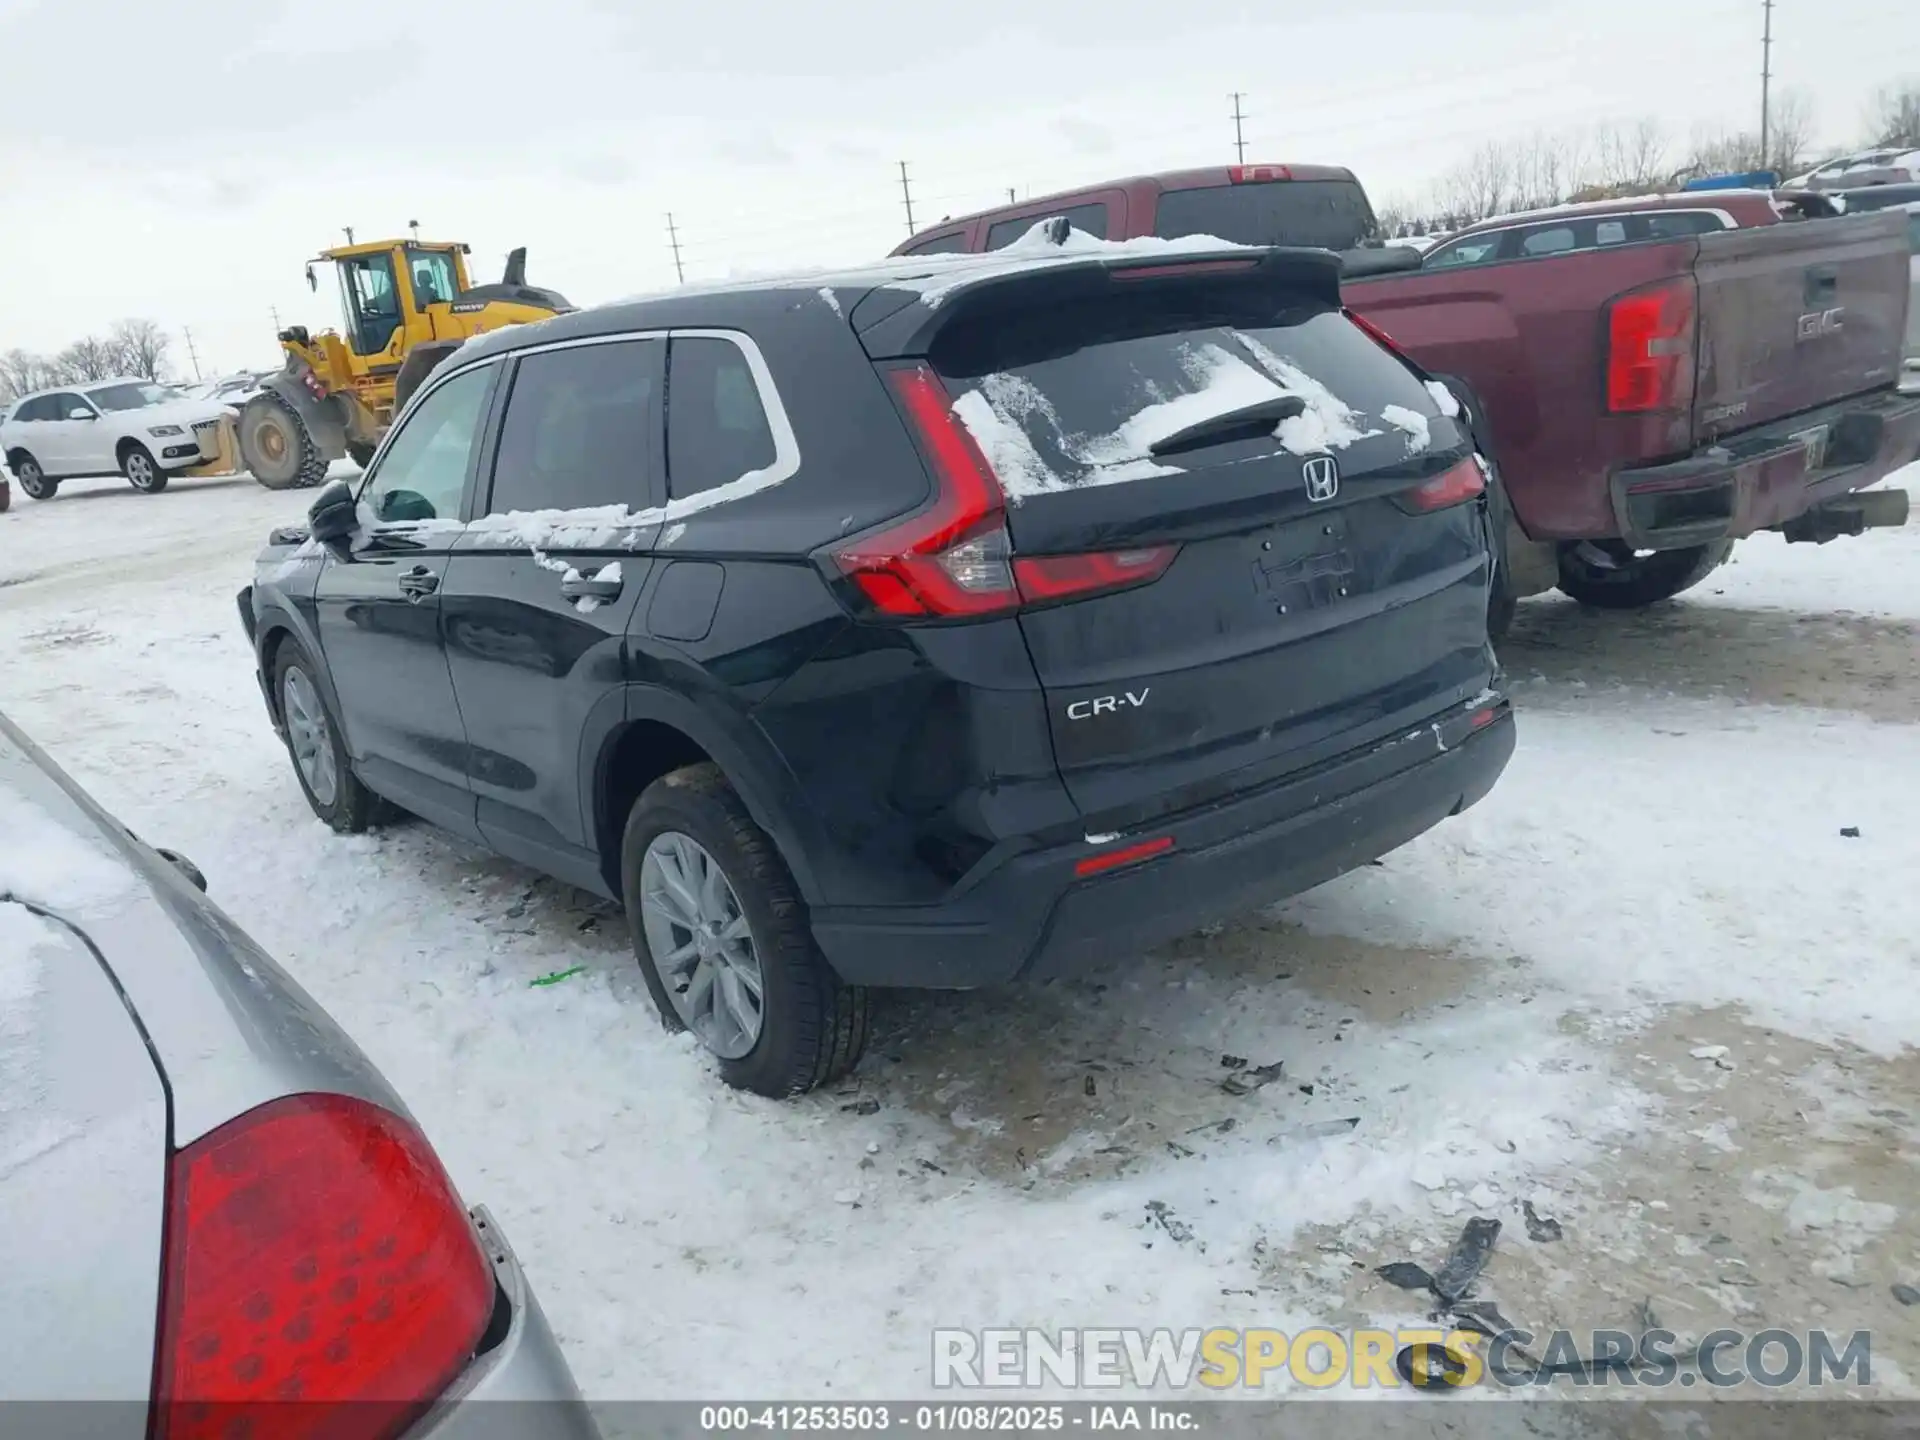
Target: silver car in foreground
pixel 215 1215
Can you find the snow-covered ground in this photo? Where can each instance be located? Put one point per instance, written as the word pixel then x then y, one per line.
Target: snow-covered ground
pixel 1527 1003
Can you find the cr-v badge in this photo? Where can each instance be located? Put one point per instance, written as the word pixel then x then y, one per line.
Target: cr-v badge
pixel 1322 474
pixel 1107 704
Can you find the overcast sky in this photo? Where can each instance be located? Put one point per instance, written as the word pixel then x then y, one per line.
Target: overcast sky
pixel 180 161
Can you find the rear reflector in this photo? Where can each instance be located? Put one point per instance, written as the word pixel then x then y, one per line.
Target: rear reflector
pixel 1130 855
pixel 1055 577
pixel 954 560
pixel 1650 336
pixel 1463 482
pixel 1483 718
pixel 315 1252
pixel 1253 174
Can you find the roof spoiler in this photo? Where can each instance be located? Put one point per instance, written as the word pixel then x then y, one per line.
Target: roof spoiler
pixel 902 318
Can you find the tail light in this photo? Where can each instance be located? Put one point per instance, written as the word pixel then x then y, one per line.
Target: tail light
pixel 954 559
pixel 1254 174
pixel 1374 333
pixel 316 1254
pixel 1465 481
pixel 1650 335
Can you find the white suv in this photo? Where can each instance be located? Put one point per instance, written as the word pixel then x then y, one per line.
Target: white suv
pixel 129 427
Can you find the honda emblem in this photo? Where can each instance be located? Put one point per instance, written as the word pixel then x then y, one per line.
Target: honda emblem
pixel 1322 475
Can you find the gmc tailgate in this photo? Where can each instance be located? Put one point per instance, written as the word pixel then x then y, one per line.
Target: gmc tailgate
pixel 1794 317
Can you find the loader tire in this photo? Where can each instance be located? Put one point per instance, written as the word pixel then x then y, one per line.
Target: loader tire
pixel 276 447
pixel 421 362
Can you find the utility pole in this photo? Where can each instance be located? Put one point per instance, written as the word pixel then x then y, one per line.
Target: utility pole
pixel 274 310
pixel 192 354
pixel 673 239
pixel 906 191
pixel 414 226
pixel 1239 137
pixel 1766 78
pixel 1010 199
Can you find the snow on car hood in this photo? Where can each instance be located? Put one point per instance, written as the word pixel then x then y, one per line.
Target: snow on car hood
pixel 184 413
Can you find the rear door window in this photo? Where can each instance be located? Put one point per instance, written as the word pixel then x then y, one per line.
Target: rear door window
pixel 1675 224
pixel 1092 219
pixel 717 430
pixel 1474 250
pixel 1554 240
pixel 581 429
pixel 1332 214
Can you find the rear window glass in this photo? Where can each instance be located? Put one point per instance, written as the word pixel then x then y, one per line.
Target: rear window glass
pixel 1332 214
pixel 1475 251
pixel 1090 218
pixel 717 428
pixel 580 429
pixel 1556 241
pixel 1081 395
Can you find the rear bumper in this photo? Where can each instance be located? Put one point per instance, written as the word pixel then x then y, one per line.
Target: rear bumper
pixel 1034 918
pixel 521 1387
pixel 1765 477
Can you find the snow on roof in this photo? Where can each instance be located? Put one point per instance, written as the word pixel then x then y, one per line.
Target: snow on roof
pixel 53 863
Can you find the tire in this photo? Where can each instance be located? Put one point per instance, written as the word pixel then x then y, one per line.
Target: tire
pixel 346 805
pixel 812 1028
pixel 143 472
pixel 276 446
pixel 361 453
pixel 1607 575
pixel 33 480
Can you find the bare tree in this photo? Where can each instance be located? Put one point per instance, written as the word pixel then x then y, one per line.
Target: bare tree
pixel 22 372
pixel 1630 157
pixel 1481 185
pixel 1790 136
pixel 1894 118
pixel 89 358
pixel 141 348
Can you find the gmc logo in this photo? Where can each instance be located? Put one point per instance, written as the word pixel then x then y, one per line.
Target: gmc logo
pixel 1820 322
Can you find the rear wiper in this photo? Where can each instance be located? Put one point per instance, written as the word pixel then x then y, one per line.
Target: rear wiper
pixel 1246 422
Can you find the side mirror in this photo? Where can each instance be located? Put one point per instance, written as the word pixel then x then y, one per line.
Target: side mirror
pixel 81 415
pixel 331 519
pixel 186 867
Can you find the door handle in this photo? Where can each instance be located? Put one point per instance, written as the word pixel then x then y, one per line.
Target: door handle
pixel 418 583
pixel 590 587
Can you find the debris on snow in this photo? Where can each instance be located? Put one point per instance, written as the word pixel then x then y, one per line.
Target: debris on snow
pixel 1906 1294
pixel 1468 1258
pixel 1245 1082
pixel 1316 1130
pixel 1850 832
pixel 1233 1062
pixel 867 1105
pixel 1405 1274
pixel 1709 1052
pixel 1540 1227
pixel 1159 1213
pixel 557 976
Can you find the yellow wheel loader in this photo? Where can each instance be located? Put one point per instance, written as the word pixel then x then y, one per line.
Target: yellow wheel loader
pixel 407 305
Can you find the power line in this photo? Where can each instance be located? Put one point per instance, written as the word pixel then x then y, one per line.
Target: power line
pixel 1766 78
pixel 673 239
pixel 1239 138
pixel 906 192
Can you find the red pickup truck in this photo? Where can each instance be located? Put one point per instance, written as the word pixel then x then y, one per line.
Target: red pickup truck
pixel 1652 389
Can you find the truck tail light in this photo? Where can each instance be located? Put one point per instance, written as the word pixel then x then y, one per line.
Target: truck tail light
pixel 954 559
pixel 1255 174
pixel 320 1276
pixel 1650 345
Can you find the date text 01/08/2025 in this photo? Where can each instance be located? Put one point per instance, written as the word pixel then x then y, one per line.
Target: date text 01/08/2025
pixel 965 1417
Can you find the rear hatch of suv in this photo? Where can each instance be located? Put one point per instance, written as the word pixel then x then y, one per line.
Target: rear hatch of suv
pixel 1246 539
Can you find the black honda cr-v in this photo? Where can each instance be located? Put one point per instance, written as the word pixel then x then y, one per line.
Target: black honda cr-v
pixel 953 621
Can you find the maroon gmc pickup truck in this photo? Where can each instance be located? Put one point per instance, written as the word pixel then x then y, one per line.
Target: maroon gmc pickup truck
pixel 1655 380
